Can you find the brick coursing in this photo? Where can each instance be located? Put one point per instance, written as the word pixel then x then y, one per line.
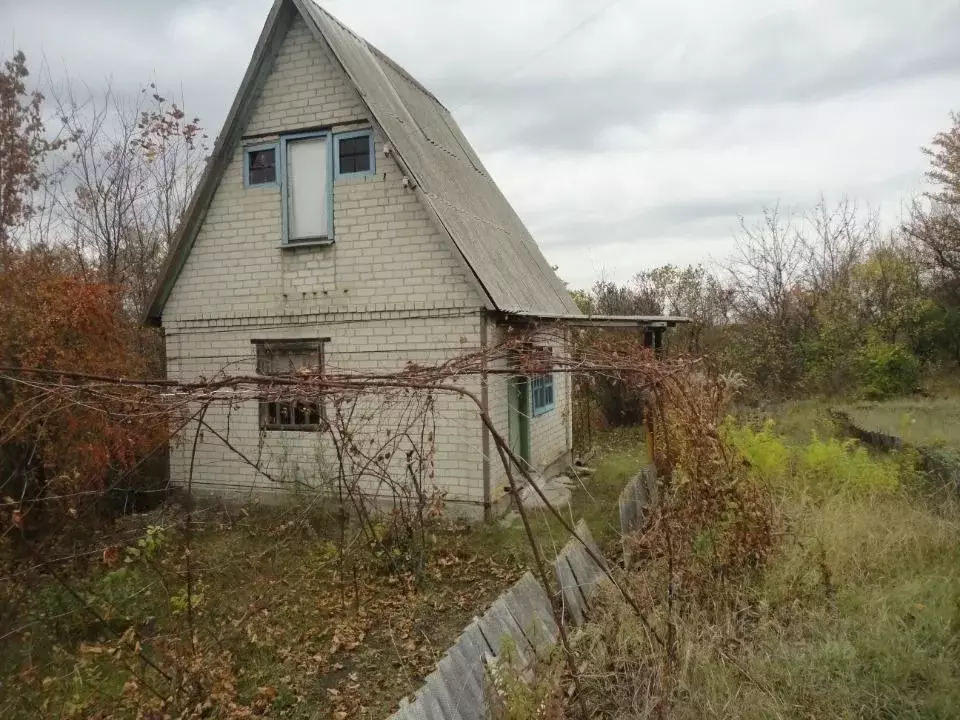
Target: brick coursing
pixel 388 291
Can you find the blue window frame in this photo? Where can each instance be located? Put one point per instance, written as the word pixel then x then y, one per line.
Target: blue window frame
pixel 304 167
pixel 354 154
pixel 541 394
pixel 261 165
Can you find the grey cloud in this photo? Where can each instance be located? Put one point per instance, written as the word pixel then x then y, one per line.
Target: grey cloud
pixel 693 219
pixel 564 113
pixel 709 221
pixel 129 43
pixel 773 54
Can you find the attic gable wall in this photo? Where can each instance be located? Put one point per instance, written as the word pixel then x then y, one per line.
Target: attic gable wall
pixel 387 249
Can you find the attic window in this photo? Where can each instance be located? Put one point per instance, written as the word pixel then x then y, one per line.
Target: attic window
pixel 261 165
pixel 354 153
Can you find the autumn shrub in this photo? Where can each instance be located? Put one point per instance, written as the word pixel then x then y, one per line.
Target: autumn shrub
pixel 54 318
pixel 716 519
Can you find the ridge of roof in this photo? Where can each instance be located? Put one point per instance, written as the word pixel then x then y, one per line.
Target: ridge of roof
pixel 377 51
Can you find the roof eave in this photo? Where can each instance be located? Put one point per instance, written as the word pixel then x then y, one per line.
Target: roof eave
pixel 610 321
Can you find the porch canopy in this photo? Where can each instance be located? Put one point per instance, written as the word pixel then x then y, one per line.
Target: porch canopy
pixel 652 326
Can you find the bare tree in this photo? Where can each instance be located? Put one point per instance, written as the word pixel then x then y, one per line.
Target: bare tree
pixel 119 195
pixel 835 240
pixel 768 267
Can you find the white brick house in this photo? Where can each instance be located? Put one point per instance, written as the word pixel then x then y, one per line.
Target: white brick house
pixel 343 216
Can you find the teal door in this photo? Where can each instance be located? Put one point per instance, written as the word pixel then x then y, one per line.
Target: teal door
pixel 518 404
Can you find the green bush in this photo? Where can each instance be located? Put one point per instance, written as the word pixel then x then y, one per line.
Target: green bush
pixel 846 465
pixel 826 466
pixel 887 369
pixel 764 449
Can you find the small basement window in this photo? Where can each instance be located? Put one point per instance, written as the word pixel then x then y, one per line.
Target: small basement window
pixel 290 358
pixel 541 394
pixel 260 166
pixel 354 153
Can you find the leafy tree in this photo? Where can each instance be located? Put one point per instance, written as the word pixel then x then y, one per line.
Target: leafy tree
pixel 22 146
pixel 887 369
pixel 935 225
pixel 583 300
pixel 692 292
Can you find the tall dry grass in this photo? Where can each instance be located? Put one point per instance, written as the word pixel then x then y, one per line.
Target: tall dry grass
pixel 856 614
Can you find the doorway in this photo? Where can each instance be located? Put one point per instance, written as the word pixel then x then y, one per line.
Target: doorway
pixel 518 413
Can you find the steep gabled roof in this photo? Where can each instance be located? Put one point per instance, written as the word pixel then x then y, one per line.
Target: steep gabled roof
pixel 426 141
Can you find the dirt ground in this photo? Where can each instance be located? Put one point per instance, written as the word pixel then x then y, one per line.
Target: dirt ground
pixel 254 611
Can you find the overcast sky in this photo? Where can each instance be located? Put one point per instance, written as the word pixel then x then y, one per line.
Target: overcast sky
pixel 627 134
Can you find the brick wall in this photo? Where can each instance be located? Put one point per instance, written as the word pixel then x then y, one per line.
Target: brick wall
pixel 388 291
pixel 387 250
pixel 307 459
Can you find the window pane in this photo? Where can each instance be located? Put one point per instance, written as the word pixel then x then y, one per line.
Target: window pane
pixel 354 154
pixel 290 357
pixel 307 189
pixel 542 394
pixel 263 166
pixel 300 361
pixel 300 414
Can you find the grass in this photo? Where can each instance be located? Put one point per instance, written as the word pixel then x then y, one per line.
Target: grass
pixel 620 454
pixel 859 617
pixel 856 615
pixel 859 612
pixel 930 422
pixel 279 629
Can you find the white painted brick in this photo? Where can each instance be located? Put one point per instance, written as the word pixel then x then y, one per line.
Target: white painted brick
pixel 390 290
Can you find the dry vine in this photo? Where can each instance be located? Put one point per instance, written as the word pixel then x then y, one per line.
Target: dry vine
pixel 381 427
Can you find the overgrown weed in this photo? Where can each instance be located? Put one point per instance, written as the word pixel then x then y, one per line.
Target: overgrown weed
pixel 855 614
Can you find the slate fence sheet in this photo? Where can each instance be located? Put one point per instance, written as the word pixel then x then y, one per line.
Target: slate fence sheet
pixel 521 619
pixel 639 495
pixel 519 623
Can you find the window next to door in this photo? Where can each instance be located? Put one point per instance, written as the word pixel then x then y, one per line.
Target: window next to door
pixel 305 167
pixel 541 394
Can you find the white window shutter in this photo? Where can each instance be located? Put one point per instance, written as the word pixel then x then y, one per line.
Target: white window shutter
pixel 307 189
